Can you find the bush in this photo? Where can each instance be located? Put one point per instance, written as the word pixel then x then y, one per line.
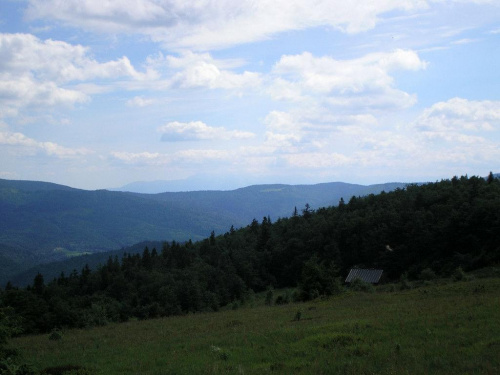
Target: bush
pixel 11 366
pixel 283 299
pixel 298 315
pixel 55 335
pixel 318 279
pixel 427 274
pixel 459 275
pixel 269 297
pixel 359 285
pixel 405 283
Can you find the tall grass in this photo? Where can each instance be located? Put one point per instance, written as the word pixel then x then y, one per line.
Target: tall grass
pixel 436 329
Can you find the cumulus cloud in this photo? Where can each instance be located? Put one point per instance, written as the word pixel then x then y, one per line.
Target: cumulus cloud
pixel 201 70
pixel 197 130
pixel 40 73
pixel 314 130
pixel 57 61
pixel 203 74
pixel 216 24
pixel 460 115
pixel 31 146
pixel 25 91
pixel 139 101
pixel 364 82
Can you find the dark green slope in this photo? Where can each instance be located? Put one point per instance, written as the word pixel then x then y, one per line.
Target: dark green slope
pixel 419 232
pixel 272 200
pixel 94 261
pixel 38 226
pixel 43 222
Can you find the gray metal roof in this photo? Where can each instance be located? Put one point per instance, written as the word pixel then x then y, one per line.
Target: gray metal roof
pixel 366 275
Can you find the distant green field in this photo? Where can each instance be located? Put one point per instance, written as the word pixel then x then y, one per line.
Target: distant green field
pixel 70 253
pixel 435 329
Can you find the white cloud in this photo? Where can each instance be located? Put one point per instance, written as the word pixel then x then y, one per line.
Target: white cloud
pixel 282 121
pixel 197 130
pixel 192 70
pixel 315 130
pixel 460 115
pixel 203 74
pixel 200 156
pixel 38 73
pixel 216 24
pixel 464 41
pixel 183 157
pixel 363 82
pixel 284 143
pixel 189 58
pixel 456 133
pixel 24 91
pixel 318 160
pixel 139 101
pixel 57 61
pixel 151 158
pixel 31 146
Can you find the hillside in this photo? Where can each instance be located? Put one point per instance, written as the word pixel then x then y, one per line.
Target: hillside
pixel 53 270
pixel 420 232
pixel 44 222
pixel 440 329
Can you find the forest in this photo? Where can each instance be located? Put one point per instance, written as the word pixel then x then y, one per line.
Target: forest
pixel 436 228
pixel 43 222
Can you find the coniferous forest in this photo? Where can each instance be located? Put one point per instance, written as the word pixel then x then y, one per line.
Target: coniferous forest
pixel 437 227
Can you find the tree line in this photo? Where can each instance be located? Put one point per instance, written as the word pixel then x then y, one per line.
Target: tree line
pixel 438 226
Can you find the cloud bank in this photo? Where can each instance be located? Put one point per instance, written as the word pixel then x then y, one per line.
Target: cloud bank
pixel 191 24
pixel 40 73
pixel 197 130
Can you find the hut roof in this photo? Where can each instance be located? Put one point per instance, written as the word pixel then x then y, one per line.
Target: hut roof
pixel 367 275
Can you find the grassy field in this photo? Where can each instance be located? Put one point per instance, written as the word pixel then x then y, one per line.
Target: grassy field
pixel 434 329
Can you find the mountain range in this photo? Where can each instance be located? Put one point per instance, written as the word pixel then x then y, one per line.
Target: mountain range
pixel 43 222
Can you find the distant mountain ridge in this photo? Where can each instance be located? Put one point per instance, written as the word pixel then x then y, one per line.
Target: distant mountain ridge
pixel 43 222
pixel 201 182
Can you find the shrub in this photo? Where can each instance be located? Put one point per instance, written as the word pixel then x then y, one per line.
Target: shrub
pixel 405 283
pixel 55 335
pixel 269 297
pixel 283 299
pixel 249 298
pixel 10 366
pixel 318 279
pixel 427 274
pixel 298 315
pixel 459 275
pixel 359 285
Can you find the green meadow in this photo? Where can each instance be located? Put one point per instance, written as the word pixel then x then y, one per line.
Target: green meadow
pixel 441 327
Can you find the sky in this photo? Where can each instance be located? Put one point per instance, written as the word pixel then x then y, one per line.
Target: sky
pixel 99 93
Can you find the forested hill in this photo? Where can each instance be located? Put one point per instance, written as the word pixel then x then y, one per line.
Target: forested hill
pixel 43 222
pixel 436 227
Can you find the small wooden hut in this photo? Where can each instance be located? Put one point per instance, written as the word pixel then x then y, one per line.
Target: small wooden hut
pixel 371 275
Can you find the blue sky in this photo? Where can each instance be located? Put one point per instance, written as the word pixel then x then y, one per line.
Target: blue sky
pixel 100 93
